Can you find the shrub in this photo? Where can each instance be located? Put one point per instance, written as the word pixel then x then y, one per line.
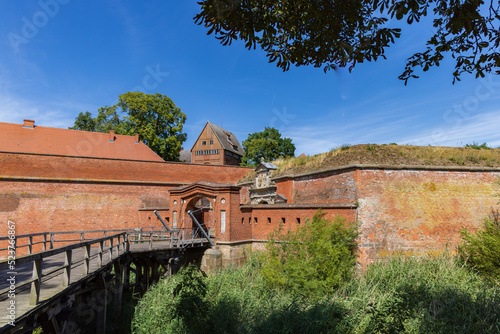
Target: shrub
pixel 345 147
pixel 313 259
pixel 482 249
pixel 176 305
pixel 478 146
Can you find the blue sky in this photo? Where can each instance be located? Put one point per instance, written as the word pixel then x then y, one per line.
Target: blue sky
pixel 62 57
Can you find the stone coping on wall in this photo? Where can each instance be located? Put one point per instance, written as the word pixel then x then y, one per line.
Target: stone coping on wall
pixel 157 209
pixel 384 167
pixel 66 180
pixel 239 242
pixel 205 184
pixel 300 206
pixel 129 160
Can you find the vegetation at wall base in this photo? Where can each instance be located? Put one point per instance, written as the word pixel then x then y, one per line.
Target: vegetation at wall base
pixel 481 250
pixel 431 294
pixel 312 259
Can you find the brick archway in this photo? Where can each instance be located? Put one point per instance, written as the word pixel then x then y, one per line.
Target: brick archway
pixel 213 203
pixel 203 210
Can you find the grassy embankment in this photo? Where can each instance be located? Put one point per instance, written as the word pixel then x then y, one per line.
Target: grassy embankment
pixel 394 155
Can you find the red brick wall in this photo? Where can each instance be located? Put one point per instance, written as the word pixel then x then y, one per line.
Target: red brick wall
pixel 409 210
pixel 69 206
pixel 331 187
pixel 40 166
pixel 52 193
pixel 420 210
pixel 269 218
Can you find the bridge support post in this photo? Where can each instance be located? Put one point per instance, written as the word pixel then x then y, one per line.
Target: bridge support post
pixel 154 271
pixel 99 257
pixel 147 273
pixel 101 316
pixel 126 274
pixel 138 273
pixel 35 285
pixel 67 270
pixel 211 261
pixel 86 260
pixel 117 298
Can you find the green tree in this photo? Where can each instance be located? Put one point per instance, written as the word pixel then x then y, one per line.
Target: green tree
pixel 85 122
pixel 315 258
pixel 267 144
pixel 328 33
pixel 154 117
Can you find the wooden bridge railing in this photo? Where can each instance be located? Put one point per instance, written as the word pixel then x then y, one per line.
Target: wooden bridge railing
pixel 29 243
pixel 178 238
pixel 106 244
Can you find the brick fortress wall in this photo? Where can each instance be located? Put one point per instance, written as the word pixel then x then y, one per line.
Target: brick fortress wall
pixel 409 209
pixel 400 209
pixel 59 193
pixel 420 210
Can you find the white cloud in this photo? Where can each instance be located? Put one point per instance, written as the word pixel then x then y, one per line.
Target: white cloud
pixel 387 128
pixel 484 127
pixel 56 114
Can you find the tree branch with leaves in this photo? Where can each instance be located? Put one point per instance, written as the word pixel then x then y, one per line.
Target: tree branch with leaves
pixel 343 33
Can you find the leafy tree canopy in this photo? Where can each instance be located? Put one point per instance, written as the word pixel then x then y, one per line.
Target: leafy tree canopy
pixel 331 33
pixel 267 144
pixel 153 116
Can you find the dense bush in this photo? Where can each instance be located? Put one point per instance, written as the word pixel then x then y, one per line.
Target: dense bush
pixel 313 259
pixel 421 295
pixel 481 250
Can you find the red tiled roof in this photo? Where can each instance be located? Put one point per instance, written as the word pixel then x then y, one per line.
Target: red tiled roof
pixel 30 138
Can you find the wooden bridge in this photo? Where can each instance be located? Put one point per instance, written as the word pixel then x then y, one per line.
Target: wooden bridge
pixel 59 267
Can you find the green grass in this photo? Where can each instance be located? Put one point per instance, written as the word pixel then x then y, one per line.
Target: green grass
pixel 400 295
pixel 472 154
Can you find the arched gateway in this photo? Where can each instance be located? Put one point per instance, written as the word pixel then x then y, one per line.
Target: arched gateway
pixel 210 203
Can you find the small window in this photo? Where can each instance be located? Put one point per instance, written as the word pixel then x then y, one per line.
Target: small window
pixel 255 220
pixel 211 142
pixel 204 142
pixel 235 147
pixel 249 220
pixel 174 218
pixel 243 220
pixel 298 221
pixel 268 220
pixel 283 220
pixel 228 137
pixel 167 219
